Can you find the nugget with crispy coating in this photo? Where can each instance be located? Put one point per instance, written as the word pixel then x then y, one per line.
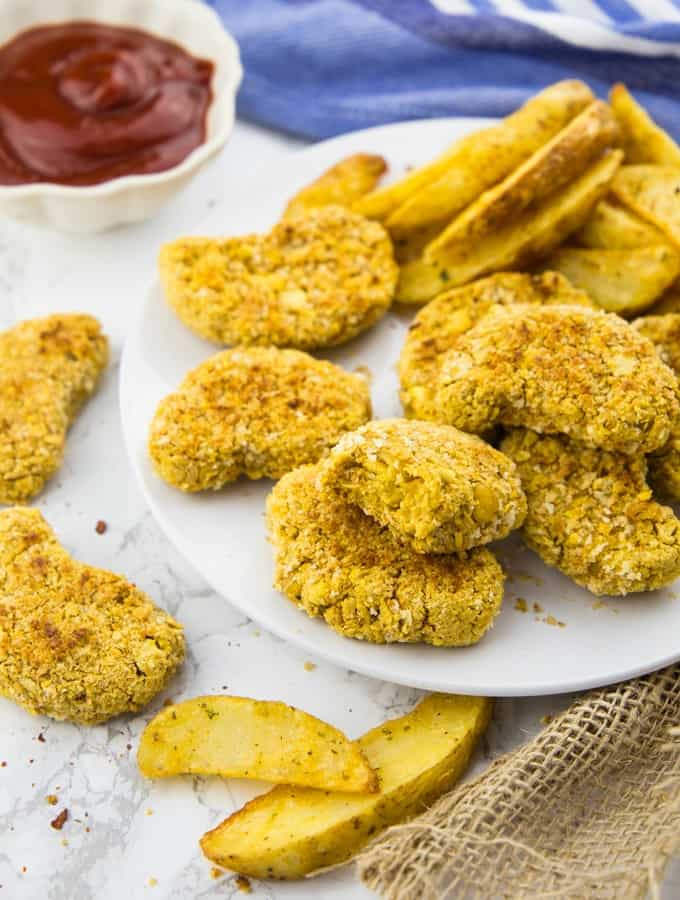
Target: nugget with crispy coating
pixel 76 642
pixel 556 369
pixel 591 514
pixel 434 487
pixel 255 411
pixel 440 324
pixel 335 562
pixel 48 368
pixel 317 279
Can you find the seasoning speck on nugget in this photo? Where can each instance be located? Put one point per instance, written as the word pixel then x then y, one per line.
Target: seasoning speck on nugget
pixel 76 642
pixel 434 487
pixel 255 411
pixel 557 369
pixel 48 368
pixel 591 514
pixel 335 562
pixel 440 324
pixel 317 279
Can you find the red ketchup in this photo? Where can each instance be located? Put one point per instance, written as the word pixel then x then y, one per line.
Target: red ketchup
pixel 82 103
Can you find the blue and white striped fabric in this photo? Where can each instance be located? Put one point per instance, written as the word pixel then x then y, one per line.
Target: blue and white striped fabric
pixel 321 67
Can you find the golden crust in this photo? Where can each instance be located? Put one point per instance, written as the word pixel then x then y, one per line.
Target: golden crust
pixel 558 369
pixel 337 563
pixel 441 323
pixel 76 642
pixel 316 279
pixel 48 368
pixel 591 514
pixel 255 411
pixel 434 487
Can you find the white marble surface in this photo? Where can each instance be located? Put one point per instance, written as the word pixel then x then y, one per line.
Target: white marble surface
pixel 127 837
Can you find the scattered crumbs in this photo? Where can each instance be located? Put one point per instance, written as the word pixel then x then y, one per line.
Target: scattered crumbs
pixel 128 746
pixel 52 799
pixel 87 829
pixel 547 719
pixel 521 605
pixel 58 822
pixel 3 764
pixel 243 884
pixel 31 761
pixel 167 701
pixel 148 812
pixel 64 842
pixel 41 737
pixel 100 527
pixel 599 604
pixel 537 608
pixel 525 577
pixel 216 873
pixel 151 881
pixel 309 666
pixel 257 632
pixel 24 869
pixel 551 620
pixel 365 371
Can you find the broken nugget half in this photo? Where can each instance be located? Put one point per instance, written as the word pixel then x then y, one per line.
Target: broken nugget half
pixel 335 562
pixel 76 643
pixel 317 279
pixel 254 411
pixel 48 368
pixel 591 514
pixel 434 487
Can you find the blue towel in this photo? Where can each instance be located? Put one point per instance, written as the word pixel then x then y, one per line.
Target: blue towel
pixel 321 67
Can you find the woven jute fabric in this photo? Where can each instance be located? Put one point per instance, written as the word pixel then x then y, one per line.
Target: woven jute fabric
pixel 590 808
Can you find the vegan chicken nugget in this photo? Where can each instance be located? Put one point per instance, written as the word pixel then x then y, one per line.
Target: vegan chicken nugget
pixel 316 279
pixel 255 411
pixel 434 487
pixel 48 368
pixel 335 562
pixel 555 369
pixel 591 514
pixel 76 642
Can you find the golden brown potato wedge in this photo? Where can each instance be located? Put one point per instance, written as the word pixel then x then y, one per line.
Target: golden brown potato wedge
pixel 552 166
pixel 626 282
pixel 433 193
pixel 653 192
pixel 289 832
pixel 241 738
pixel 643 140
pixel 341 185
pixel 614 227
pixel 523 241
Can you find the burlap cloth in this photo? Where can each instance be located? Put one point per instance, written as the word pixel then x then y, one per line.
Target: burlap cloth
pixel 590 808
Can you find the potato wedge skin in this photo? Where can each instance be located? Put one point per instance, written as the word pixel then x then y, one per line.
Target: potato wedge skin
pixel 644 140
pixel 614 227
pixel 288 833
pixel 342 185
pixel 243 738
pixel 653 192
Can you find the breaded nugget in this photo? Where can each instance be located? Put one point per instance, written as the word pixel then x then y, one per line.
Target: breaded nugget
pixel 316 279
pixel 591 514
pixel 440 324
pixel 555 369
pixel 76 642
pixel 48 368
pixel 434 487
pixel 335 562
pixel 255 411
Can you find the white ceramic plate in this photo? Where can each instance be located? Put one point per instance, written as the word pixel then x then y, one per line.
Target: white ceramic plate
pixel 223 533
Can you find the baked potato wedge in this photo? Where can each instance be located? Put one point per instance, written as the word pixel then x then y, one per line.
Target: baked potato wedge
pixel 653 192
pixel 434 193
pixel 236 737
pixel 341 185
pixel 643 140
pixel 626 282
pixel 290 832
pixel 614 227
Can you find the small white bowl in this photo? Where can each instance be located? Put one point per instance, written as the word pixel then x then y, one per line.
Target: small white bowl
pixel 132 198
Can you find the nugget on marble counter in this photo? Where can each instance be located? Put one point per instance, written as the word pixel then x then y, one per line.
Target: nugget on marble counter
pixel 337 563
pixel 591 514
pixel 317 279
pixel 48 368
pixel 76 643
pixel 434 487
pixel 254 411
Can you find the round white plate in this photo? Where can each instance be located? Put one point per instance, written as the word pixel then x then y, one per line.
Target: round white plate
pixel 222 534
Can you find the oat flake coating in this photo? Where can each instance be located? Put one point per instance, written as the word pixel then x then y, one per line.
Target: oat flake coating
pixel 255 411
pixel 76 643
pixel 316 279
pixel 440 324
pixel 434 487
pixel 48 368
pixel 558 369
pixel 591 514
pixel 335 562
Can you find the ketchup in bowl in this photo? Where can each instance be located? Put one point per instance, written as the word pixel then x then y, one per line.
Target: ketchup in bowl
pixel 82 103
